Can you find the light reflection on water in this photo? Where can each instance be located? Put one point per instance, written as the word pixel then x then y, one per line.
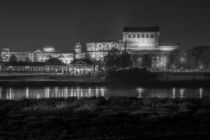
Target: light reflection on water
pixel 12 93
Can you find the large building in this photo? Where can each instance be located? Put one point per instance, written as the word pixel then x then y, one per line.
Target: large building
pixel 145 41
pixel 49 52
pixel 96 51
pixel 141 38
pixel 137 41
pixel 40 55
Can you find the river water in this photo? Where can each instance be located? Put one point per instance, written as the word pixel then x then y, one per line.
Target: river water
pixel 14 93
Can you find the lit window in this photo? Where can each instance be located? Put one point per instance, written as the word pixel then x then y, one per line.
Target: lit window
pixel 107 48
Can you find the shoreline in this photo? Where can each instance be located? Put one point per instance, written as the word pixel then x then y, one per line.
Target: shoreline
pixel 161 79
pixel 107 83
pixel 90 118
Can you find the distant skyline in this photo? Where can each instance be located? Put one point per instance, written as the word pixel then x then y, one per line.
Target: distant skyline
pixel 29 25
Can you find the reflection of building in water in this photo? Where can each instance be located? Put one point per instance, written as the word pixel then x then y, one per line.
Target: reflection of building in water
pixel 201 92
pixel 27 92
pixel 10 93
pixel 181 91
pixel 140 92
pixel 174 93
pixel 64 92
pixel 170 93
pixel 0 93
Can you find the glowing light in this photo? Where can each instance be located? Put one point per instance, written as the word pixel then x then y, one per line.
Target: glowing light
pixel 0 92
pixel 181 91
pixel 47 92
pixel 200 92
pixel 140 91
pixel 166 48
pixel 102 92
pixel 174 93
pixel 49 49
pixel 27 92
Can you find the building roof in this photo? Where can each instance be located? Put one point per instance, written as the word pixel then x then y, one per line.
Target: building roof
pixel 31 63
pixel 105 41
pixel 24 63
pixel 82 61
pixel 142 29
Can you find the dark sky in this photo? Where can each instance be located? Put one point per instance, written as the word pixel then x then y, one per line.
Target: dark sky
pixel 28 25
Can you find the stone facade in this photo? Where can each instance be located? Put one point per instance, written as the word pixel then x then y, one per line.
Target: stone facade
pixel 96 51
pixel 141 38
pixel 41 55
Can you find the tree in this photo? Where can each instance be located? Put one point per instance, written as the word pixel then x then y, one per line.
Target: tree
pixel 125 60
pixel 27 59
pixel 115 60
pixel 54 61
pixel 147 61
pixel 198 57
pixel 13 58
pixel 112 60
pixel 174 59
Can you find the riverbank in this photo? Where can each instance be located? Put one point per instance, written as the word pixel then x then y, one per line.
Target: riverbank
pixel 124 79
pixel 114 118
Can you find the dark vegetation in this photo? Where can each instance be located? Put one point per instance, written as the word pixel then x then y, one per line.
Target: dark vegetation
pixel 116 60
pixel 131 74
pixel 115 118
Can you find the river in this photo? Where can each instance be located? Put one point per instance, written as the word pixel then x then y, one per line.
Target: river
pixel 18 93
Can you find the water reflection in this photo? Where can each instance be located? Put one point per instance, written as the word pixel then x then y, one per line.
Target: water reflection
pixel 172 93
pixel 200 92
pixel 50 92
pixel 11 93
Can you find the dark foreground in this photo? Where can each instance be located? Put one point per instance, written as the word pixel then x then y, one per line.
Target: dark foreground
pixel 116 118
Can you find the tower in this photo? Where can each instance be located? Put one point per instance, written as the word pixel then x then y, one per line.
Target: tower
pixel 79 54
pixel 78 47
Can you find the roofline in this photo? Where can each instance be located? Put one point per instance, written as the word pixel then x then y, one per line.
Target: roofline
pixel 142 29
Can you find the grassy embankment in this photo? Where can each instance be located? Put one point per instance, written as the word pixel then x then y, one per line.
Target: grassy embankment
pixel 115 118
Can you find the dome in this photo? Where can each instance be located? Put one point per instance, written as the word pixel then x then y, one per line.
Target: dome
pixel 167 48
pixel 48 48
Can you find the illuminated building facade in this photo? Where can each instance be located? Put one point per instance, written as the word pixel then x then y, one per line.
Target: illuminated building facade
pixel 82 67
pixel 96 51
pixel 141 38
pixel 41 55
pixel 49 52
pixel 145 41
pixel 5 54
pixel 78 51
pixel 137 41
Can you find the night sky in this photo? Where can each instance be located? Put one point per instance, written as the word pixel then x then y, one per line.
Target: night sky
pixel 29 25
